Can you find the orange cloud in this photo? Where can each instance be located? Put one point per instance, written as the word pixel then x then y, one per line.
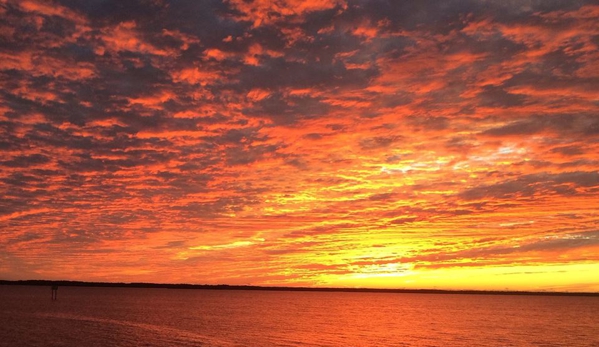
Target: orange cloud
pixel 318 143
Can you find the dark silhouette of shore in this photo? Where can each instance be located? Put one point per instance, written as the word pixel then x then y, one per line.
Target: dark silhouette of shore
pixel 271 288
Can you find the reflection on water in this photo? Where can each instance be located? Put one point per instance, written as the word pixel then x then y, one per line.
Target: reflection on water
pixel 164 317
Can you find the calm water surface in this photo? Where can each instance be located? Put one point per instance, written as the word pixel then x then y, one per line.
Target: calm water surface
pixel 168 317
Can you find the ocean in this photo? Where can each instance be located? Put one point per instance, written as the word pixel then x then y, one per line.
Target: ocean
pixel 84 316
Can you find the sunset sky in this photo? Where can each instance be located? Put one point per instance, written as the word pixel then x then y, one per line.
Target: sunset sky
pixel 397 144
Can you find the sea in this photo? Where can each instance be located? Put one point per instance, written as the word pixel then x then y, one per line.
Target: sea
pixel 87 316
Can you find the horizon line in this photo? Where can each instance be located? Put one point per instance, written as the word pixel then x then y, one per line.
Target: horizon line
pixel 76 283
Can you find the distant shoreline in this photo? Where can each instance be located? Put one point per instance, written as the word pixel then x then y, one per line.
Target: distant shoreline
pixel 294 289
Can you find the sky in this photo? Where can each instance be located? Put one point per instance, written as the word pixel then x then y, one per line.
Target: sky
pixel 325 143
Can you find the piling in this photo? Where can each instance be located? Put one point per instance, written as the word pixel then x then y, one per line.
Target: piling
pixel 54 292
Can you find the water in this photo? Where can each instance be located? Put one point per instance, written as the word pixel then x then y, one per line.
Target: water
pixel 169 317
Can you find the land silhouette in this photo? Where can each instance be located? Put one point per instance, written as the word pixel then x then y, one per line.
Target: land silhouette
pixel 67 283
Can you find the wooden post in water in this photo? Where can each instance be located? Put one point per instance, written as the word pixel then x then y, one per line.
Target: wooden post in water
pixel 54 292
